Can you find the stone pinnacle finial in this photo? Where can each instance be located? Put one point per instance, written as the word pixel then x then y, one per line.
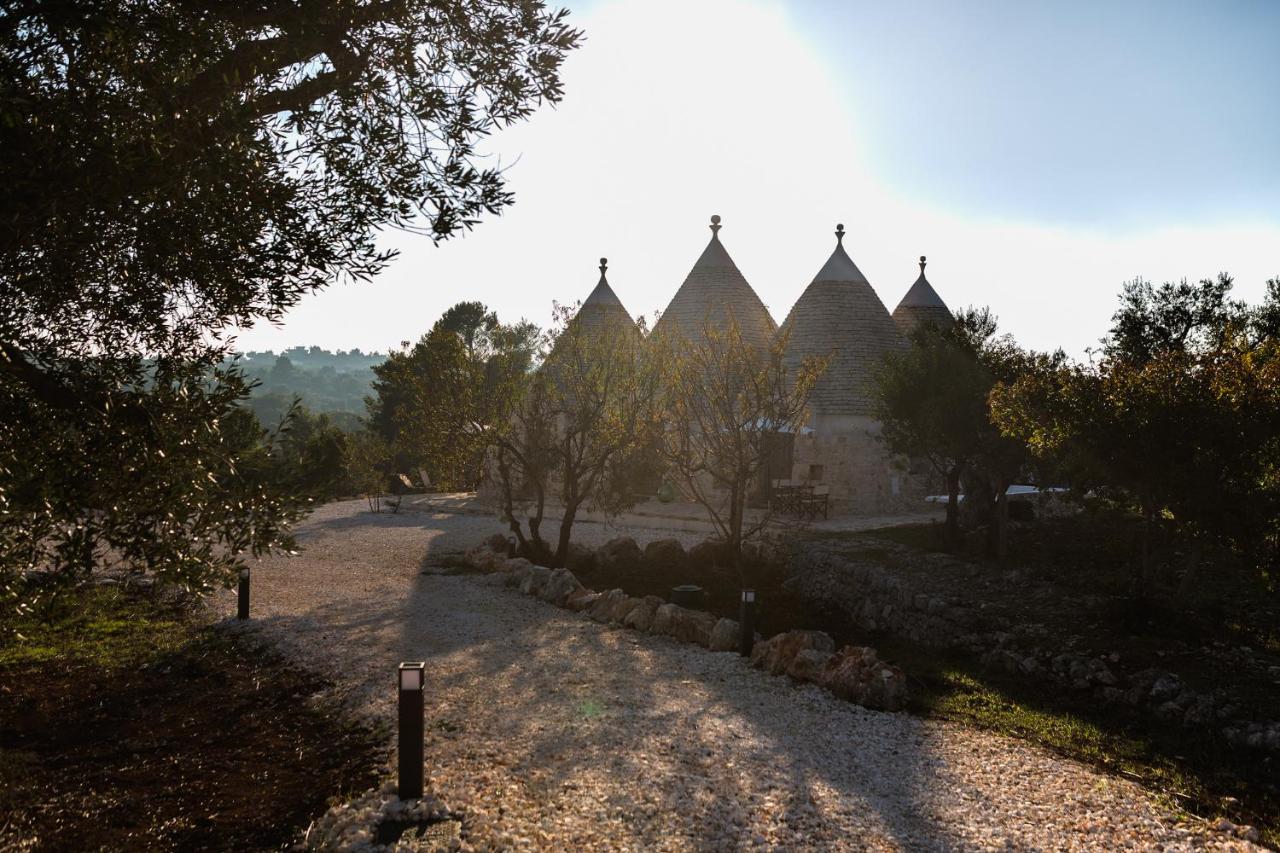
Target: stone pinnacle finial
pixel 715 223
pixel 840 234
pixel 922 265
pixel 604 265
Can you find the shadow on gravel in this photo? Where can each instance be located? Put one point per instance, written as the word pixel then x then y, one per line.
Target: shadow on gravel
pixel 611 693
pixel 361 517
pixel 572 704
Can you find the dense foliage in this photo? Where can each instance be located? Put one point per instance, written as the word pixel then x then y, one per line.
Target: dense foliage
pixel 429 399
pixel 330 383
pixel 933 406
pixel 1179 415
pixel 165 475
pixel 172 169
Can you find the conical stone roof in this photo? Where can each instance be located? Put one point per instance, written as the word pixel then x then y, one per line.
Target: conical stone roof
pixel 601 316
pixel 922 304
pixel 839 315
pixel 603 310
pixel 714 292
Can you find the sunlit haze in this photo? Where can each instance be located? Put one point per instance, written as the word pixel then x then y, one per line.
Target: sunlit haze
pixel 1037 174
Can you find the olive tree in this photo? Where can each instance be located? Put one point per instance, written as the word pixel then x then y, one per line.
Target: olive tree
pixel 171 170
pixel 1179 416
pixel 727 403
pixel 576 433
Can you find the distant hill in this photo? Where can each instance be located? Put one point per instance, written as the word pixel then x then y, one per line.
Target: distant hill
pixel 333 383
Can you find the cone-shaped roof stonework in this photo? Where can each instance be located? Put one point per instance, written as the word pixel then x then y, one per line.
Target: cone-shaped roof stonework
pixel 841 316
pixel 603 310
pixel 600 320
pixel 713 292
pixel 922 304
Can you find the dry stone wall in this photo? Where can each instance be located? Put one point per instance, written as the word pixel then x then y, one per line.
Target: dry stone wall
pixel 878 597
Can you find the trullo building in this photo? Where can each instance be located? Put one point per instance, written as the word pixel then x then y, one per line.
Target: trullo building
pixel 838 315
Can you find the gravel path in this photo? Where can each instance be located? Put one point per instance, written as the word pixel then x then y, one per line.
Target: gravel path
pixel 550 731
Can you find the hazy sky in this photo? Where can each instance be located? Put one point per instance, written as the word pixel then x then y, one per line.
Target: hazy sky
pixel 1039 156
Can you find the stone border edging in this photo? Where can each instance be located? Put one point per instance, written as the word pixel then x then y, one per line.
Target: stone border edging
pixel 853 673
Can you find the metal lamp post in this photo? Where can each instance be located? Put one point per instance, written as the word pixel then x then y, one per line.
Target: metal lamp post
pixel 747 622
pixel 242 596
pixel 411 678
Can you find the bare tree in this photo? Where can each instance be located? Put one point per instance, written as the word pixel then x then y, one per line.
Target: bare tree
pixel 727 402
pixel 576 431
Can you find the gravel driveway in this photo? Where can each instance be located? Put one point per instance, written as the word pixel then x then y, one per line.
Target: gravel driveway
pixel 550 731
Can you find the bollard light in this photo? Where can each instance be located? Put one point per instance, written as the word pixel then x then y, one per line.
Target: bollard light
pixel 242 598
pixel 747 622
pixel 411 678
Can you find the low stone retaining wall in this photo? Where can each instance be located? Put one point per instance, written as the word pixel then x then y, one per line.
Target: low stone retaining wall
pixel 876 597
pixel 853 673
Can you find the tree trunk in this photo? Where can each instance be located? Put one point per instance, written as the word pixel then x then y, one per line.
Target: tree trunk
pixel 953 509
pixel 566 528
pixel 509 504
pixel 539 552
pixel 736 496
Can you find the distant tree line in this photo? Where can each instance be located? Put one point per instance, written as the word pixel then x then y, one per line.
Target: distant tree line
pixel 313 358
pixel 328 383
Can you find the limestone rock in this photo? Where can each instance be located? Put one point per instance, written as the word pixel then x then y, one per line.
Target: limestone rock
pixel 641 618
pixel 487 558
pixel 580 558
pixel 620 554
pixel 775 654
pixel 724 636
pixel 693 626
pixel 705 554
pixel 1166 687
pixel 603 606
pixel 560 587
pixel 663 618
pixel 622 608
pixel 808 665
pixel 666 553
pixel 535 580
pixel 517 570
pixel 480 557
pixel 582 600
pixel 855 674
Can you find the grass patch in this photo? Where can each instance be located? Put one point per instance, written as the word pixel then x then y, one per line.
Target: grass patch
pixel 1070 576
pixel 104 627
pixel 1194 771
pixel 126 720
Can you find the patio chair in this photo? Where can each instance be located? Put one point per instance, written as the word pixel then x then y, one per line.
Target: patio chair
pixel 817 500
pixel 782 497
